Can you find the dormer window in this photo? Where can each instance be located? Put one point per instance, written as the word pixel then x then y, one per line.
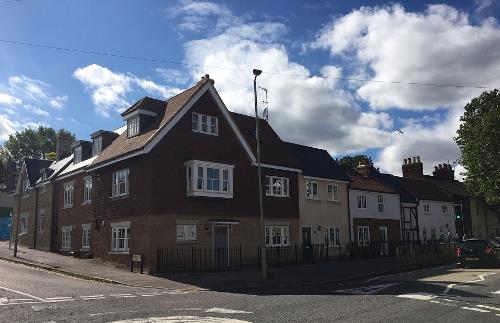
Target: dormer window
pixel 133 126
pixel 78 154
pixel 96 146
pixel 205 124
pixel 209 179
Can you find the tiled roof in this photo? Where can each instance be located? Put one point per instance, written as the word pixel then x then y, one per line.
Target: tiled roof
pixel 450 186
pixel 274 151
pixel 369 183
pixel 33 167
pixel 166 110
pixel 317 162
pixel 396 183
pixel 424 190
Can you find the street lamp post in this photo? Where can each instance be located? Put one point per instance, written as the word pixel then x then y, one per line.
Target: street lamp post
pixel 18 214
pixel 263 261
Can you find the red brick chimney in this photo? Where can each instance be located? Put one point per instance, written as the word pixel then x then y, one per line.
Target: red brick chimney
pixel 364 168
pixel 63 146
pixel 413 168
pixel 444 171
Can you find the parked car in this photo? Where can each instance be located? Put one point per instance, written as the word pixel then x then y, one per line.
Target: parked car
pixel 478 252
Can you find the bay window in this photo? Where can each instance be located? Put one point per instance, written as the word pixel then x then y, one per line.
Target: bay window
pixel 209 179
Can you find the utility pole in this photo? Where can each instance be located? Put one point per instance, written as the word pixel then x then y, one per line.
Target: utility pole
pixel 261 206
pixel 18 213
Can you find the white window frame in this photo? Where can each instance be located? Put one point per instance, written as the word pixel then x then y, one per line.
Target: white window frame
pixel 120 177
pixel 87 190
pixel 312 190
pixel 333 192
pixel 96 145
pixel 360 198
pixel 78 154
pixel 41 220
pixel 66 238
pixel 186 232
pixel 444 210
pixel 68 194
pixel 380 203
pixel 198 183
pixel 212 124
pixel 120 231
pixel 23 225
pixel 86 236
pixel 133 126
pixel 272 236
pixel 427 208
pixel 332 236
pixel 273 182
pixel 364 233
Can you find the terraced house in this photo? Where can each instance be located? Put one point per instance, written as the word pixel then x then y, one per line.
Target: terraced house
pixel 184 174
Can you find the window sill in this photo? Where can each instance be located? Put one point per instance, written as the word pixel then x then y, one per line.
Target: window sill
pixel 333 202
pixel 67 207
pixel 313 200
pixel 186 241
pixel 87 203
pixel 278 196
pixel 210 194
pixel 23 233
pixel 117 198
pixel 118 253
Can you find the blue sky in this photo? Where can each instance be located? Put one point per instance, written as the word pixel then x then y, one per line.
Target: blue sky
pixel 446 42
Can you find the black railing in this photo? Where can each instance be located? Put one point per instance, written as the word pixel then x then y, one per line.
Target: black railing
pixel 185 260
pixel 401 249
pixel 299 254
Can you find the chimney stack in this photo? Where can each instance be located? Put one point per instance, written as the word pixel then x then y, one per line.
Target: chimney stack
pixel 364 168
pixel 413 168
pixel 444 171
pixel 63 146
pixel 10 176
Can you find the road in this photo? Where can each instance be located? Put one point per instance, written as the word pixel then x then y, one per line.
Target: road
pixel 444 294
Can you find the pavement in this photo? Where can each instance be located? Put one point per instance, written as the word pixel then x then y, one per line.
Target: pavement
pixel 247 278
pixel 444 293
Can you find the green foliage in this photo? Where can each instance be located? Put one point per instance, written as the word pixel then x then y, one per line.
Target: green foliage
pixel 31 143
pixel 479 140
pixel 349 163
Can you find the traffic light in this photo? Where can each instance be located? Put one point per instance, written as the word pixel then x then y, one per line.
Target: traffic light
pixel 458 214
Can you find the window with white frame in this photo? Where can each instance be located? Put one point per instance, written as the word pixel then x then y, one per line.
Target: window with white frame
pixel 209 179
pixel 363 236
pixel 380 203
pixel 66 238
pixel 427 208
pixel 120 184
pixel 41 220
pixel 332 236
pixel 276 186
pixel 277 235
pixel 86 237
pixel 23 224
pixel 87 189
pixel 120 237
pixel 444 209
pixel 96 145
pixel 205 124
pixel 68 194
pixel 312 191
pixel 133 126
pixel 186 232
pixel 361 200
pixel 333 192
pixel 78 154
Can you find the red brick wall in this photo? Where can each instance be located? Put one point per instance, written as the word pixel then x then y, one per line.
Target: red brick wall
pixel 393 228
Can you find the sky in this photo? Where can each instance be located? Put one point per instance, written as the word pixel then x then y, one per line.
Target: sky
pixel 337 73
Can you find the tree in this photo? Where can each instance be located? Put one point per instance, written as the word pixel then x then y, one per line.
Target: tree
pixel 479 140
pixel 349 163
pixel 31 143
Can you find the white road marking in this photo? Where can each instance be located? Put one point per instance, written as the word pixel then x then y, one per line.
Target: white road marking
pixel 421 296
pixel 481 277
pixel 183 319
pixel 475 309
pixel 448 288
pixel 489 307
pixel 20 299
pixel 226 311
pixel 187 309
pixel 365 290
pixel 59 297
pixel 22 293
pixel 106 313
pixel 497 292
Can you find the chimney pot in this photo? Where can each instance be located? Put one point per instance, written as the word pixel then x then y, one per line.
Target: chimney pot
pixel 435 168
pixel 418 159
pixel 409 160
pixel 440 166
pixel 405 161
pixel 414 160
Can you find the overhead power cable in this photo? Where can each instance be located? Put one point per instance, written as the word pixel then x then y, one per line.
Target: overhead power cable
pixel 165 61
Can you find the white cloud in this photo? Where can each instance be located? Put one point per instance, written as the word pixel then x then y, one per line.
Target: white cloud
pixel 7 127
pixel 110 90
pixel 58 101
pixel 35 91
pixel 438 45
pixel 172 75
pixel 9 100
pixel 481 5
pixel 40 112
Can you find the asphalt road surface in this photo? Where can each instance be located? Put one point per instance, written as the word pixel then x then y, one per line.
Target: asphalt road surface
pixel 444 294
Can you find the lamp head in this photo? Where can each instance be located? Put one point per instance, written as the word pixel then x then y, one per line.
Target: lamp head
pixel 256 72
